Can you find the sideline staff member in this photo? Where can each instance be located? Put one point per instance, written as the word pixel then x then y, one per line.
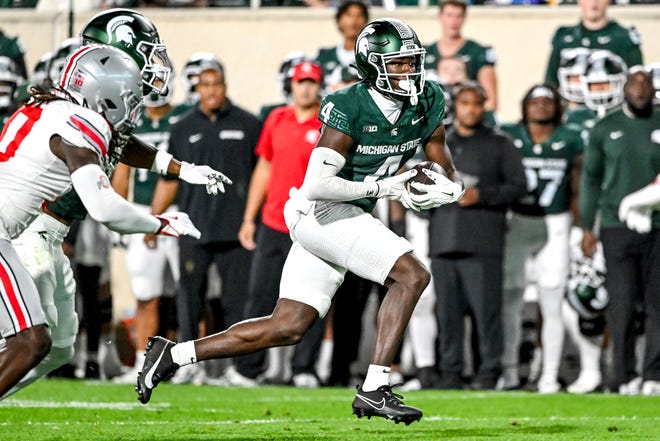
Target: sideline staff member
pixel 215 132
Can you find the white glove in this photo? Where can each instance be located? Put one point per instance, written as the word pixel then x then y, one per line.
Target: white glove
pixel 636 208
pixel 178 224
pixel 204 175
pixel 394 188
pixel 118 240
pixel 639 219
pixel 444 191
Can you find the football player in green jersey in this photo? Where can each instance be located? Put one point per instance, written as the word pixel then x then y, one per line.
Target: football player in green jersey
pixel 595 31
pixel 480 60
pixel 602 81
pixel 370 129
pixel 539 228
pixel 601 89
pixel 623 155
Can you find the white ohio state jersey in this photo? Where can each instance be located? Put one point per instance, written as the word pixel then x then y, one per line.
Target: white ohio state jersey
pixel 30 174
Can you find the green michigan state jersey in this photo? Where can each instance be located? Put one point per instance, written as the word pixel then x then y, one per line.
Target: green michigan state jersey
pixel 613 37
pixel 623 155
pixel 474 55
pixel 68 207
pixel 547 168
pixel 380 148
pixel 156 133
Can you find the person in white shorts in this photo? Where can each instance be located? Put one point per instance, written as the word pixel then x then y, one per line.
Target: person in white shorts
pixel 370 129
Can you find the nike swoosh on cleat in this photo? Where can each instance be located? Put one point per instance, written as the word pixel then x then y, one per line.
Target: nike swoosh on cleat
pixel 150 373
pixel 378 405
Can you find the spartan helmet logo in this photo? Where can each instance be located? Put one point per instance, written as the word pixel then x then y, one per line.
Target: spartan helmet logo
pixel 118 30
pixel 363 43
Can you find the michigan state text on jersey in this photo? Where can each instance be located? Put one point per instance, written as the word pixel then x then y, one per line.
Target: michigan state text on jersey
pixel 381 148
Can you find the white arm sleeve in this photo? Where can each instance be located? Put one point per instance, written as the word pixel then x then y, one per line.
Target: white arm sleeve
pixel 322 183
pixel 106 206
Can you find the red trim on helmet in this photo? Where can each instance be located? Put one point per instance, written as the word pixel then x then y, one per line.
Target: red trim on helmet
pixel 72 60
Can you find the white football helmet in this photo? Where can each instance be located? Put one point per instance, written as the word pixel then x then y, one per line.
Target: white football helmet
pixel 108 81
pixel 58 59
pixel 603 80
pixel 572 64
pixel 190 73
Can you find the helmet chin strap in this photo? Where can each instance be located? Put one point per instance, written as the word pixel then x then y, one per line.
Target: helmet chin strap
pixel 413 91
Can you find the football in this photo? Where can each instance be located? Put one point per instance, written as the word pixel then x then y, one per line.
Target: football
pixel 421 177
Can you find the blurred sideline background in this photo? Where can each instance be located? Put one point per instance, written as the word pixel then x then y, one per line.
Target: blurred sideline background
pixel 252 43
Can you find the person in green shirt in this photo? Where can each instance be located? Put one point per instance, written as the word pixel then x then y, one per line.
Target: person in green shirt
pixel 480 60
pixel 601 87
pixel 594 31
pixel 539 229
pixel 623 155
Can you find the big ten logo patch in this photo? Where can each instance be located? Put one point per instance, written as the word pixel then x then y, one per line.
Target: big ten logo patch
pixel 79 79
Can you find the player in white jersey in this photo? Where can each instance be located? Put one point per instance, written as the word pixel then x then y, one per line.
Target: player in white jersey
pixel 44 236
pixel 47 147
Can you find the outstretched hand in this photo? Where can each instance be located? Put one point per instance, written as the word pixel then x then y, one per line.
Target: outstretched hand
pixel 204 175
pixel 177 224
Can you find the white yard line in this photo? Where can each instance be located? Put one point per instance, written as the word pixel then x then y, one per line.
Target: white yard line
pixel 434 418
pixel 79 405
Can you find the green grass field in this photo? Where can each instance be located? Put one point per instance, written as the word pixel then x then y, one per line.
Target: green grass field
pixel 78 410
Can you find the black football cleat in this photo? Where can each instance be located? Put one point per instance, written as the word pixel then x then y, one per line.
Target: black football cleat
pixel 158 366
pixel 382 402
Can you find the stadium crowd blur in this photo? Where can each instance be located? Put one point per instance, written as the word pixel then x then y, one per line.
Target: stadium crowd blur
pixel 556 278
